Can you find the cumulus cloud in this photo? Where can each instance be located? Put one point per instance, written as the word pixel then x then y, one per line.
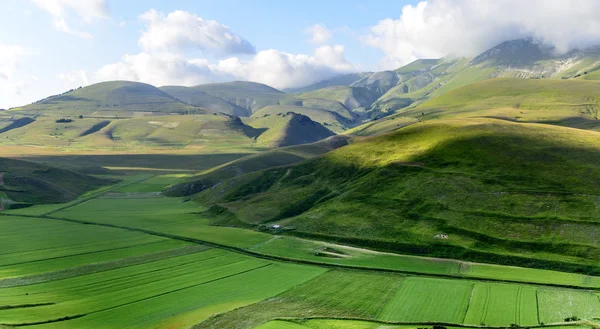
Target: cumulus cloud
pixel 75 78
pixel 319 34
pixel 272 67
pixel 10 56
pixel 285 70
pixel 437 28
pixel 88 10
pixel 159 69
pixel 181 30
pixel 164 57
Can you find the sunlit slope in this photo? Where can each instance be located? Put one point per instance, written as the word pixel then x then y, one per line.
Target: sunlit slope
pixel 114 98
pixel 32 183
pixel 572 103
pixel 477 189
pixel 216 131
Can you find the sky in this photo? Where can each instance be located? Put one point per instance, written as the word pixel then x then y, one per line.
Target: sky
pixel 50 46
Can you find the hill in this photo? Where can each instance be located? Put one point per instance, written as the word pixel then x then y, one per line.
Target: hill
pixel 112 98
pixel 427 78
pixel 194 96
pixel 290 128
pixel 330 119
pixel 256 162
pixel 23 182
pixel 353 98
pixel 472 189
pixel 245 94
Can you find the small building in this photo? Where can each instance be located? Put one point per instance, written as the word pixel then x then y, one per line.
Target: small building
pixel 276 226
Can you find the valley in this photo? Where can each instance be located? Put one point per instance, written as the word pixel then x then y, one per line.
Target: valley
pixel 448 193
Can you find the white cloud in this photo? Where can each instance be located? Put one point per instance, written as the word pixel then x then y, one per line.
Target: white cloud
pixel 285 70
pixel 181 30
pixel 319 34
pixel 75 78
pixel 159 69
pixel 436 28
pixel 10 56
pixel 272 67
pixel 88 10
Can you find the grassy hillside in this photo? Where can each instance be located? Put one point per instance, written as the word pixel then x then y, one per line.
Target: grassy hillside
pixel 256 162
pixel 475 189
pixel 30 183
pixel 290 128
pixel 331 120
pixel 194 96
pixel 353 98
pixel 200 132
pixel 245 94
pixel 572 102
pixel 112 98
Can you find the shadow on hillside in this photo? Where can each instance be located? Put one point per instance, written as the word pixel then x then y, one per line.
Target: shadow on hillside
pixel 127 163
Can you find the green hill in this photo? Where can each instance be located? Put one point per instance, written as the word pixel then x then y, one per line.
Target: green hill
pixel 332 120
pixel 245 94
pixel 353 98
pixel 572 103
pixel 285 129
pixel 113 98
pixel 23 182
pixel 473 189
pixel 256 162
pixel 196 97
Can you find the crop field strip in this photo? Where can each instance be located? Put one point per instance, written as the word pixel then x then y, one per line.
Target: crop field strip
pixel 411 300
pixel 187 234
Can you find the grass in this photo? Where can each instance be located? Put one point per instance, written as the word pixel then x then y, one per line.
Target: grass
pixel 496 188
pixel 422 300
pixel 31 183
pixel 331 294
pixel 106 98
pixel 556 305
pixel 499 304
pixel 225 281
pixel 160 214
pixel 40 245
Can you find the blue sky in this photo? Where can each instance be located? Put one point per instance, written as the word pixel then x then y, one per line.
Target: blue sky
pixel 280 25
pixel 50 46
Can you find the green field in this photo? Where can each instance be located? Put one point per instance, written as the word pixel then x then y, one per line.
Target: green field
pixel 429 300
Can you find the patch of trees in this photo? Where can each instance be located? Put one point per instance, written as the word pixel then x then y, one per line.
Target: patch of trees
pixel 572 319
pixel 63 120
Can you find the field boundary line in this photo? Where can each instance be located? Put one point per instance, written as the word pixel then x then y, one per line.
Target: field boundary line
pixel 424 323
pixel 98 267
pixel 81 254
pixel 93 196
pixel 302 261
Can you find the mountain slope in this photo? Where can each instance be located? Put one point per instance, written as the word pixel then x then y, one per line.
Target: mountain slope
pixel 256 162
pixel 245 94
pixel 285 129
pixel 497 189
pixel 32 183
pixel 353 98
pixel 108 98
pixel 196 97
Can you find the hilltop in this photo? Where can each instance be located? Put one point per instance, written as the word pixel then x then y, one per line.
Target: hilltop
pixel 112 98
pixel 497 189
